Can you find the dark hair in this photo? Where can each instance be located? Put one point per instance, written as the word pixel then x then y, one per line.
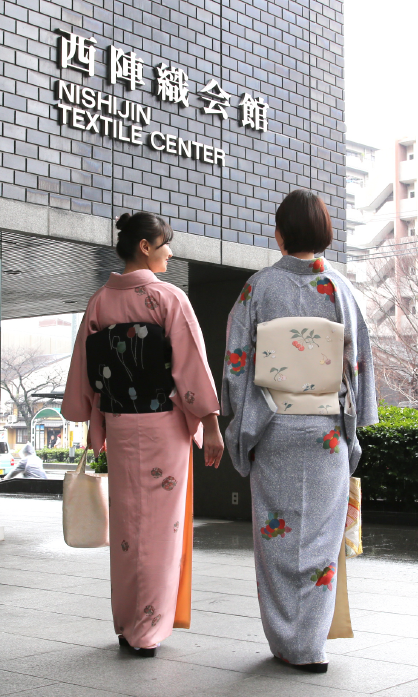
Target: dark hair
pixel 137 227
pixel 304 223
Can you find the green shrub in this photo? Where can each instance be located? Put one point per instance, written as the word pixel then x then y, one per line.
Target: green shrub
pixel 99 465
pixel 62 454
pixel 389 463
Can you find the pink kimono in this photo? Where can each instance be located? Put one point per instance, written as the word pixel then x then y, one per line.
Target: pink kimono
pixel 149 457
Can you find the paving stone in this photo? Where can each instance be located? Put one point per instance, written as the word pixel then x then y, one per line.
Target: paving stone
pixel 10 683
pixel 402 651
pixel 52 650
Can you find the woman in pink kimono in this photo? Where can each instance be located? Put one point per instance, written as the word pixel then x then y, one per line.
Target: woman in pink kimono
pixel 139 374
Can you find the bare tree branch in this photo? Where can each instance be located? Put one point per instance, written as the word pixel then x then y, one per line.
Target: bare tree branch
pixel 391 290
pixel 27 371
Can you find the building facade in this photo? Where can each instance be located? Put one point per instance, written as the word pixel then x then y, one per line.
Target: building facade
pixel 205 112
pixel 383 263
pixel 360 163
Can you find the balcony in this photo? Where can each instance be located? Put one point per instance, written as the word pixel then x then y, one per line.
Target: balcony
pixel 408 171
pixel 409 208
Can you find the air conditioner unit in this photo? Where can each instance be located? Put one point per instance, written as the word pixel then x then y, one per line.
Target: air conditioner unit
pixel 11 419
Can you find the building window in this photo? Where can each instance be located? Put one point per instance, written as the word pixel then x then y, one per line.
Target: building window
pixel 21 435
pixel 412 194
pixel 410 157
pixel 411 231
pixel 414 310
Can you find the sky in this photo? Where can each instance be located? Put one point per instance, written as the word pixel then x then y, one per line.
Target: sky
pixel 381 70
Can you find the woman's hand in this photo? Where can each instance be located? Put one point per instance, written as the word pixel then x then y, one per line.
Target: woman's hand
pixel 212 441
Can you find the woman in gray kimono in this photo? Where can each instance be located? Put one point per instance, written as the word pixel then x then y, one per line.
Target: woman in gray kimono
pixel 299 461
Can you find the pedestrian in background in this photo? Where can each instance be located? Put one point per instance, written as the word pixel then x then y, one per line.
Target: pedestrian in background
pixel 30 465
pixel 139 373
pixel 299 448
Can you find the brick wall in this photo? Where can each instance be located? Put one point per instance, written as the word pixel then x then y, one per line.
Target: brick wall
pixel 288 52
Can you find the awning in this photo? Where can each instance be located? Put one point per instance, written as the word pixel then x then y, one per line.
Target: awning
pixel 47 413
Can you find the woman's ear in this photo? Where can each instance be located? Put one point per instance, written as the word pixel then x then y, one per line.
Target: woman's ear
pixel 144 247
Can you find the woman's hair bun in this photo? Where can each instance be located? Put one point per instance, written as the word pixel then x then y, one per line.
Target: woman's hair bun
pixel 120 224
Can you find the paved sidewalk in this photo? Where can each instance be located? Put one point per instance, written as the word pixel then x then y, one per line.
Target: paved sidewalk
pixel 57 638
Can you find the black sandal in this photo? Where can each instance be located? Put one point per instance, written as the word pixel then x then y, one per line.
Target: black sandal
pixel 143 653
pixel 306 667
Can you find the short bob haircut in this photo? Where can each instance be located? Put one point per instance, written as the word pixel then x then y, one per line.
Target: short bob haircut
pixel 304 223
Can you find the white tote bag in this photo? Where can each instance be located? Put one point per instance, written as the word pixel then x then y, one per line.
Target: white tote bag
pixel 85 510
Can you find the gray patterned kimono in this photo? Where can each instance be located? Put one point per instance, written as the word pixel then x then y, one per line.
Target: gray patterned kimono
pixel 299 464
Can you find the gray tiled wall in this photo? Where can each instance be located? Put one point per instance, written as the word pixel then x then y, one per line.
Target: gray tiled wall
pixel 291 53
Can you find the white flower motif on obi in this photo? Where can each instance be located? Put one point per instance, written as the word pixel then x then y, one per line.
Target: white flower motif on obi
pixel 269 354
pixel 308 387
pixel 310 346
pixel 142 332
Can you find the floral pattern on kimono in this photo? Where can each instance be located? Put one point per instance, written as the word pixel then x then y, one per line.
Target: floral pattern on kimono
pixel 250 405
pixel 330 441
pixel 325 577
pixel 326 287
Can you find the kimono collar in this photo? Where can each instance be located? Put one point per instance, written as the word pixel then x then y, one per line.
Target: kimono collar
pixel 131 280
pixel 302 266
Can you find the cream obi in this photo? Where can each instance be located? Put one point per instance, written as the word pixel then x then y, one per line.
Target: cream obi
pixel 300 362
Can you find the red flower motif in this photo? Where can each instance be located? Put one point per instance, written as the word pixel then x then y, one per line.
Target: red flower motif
pixel 325 286
pixel 246 294
pixel 331 441
pixel 169 483
pixel 318 266
pixel 237 360
pixel 189 397
pixel 130 333
pixel 151 303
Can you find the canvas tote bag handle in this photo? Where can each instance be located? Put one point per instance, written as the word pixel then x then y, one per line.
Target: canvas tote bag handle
pixel 85 507
pixel 81 467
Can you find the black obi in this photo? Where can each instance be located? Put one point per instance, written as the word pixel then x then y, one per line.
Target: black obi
pixel 129 365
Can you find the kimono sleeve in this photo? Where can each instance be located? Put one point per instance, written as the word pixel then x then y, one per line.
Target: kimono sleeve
pixel 80 402
pixel 365 390
pixel 240 349
pixel 195 387
pixel 78 399
pixel 248 403
pixel 358 369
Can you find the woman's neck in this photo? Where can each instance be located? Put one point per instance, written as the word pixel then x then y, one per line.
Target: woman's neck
pixel 140 265
pixel 303 255
pixel 298 255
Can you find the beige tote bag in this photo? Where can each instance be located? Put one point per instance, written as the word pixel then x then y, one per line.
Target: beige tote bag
pixel 85 510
